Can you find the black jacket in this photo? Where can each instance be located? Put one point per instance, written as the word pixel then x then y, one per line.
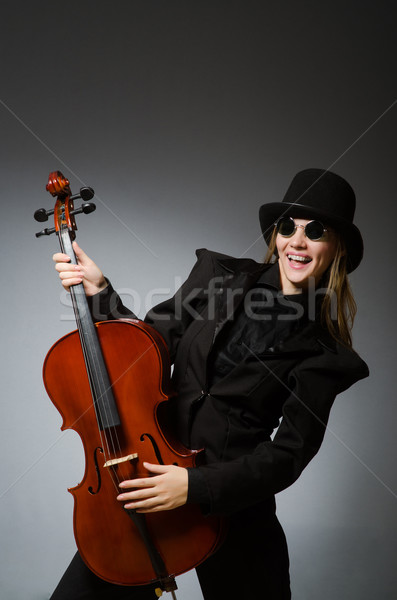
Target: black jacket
pixel 234 419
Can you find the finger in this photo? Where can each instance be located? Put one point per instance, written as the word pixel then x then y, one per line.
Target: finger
pixel 70 278
pixel 146 506
pixel 136 495
pixel 146 482
pixel 70 274
pixel 67 267
pixel 67 283
pixel 80 254
pixel 155 468
pixel 60 257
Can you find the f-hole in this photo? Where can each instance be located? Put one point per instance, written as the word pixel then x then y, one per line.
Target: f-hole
pixel 98 473
pixel 155 447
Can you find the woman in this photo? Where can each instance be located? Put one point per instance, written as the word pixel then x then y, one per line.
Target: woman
pixel 251 343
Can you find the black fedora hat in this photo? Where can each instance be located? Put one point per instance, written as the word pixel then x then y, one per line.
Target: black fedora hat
pixel 323 195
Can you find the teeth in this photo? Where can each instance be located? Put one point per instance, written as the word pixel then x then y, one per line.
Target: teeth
pixel 304 259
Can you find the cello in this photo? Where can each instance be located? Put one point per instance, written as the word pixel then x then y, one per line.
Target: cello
pixel 115 398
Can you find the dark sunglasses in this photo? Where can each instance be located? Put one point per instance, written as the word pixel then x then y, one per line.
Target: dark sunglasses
pixel 314 230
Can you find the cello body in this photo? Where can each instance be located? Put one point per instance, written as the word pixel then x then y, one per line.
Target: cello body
pixel 107 538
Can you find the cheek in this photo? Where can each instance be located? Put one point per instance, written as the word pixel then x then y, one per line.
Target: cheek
pixel 326 256
pixel 280 243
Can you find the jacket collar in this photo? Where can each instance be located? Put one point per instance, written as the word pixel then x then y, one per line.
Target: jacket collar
pixel 241 275
pixel 247 266
pixel 244 273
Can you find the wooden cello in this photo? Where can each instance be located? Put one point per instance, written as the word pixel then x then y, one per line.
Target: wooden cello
pixel 114 396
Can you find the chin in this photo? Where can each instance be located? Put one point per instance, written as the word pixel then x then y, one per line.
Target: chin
pixel 297 278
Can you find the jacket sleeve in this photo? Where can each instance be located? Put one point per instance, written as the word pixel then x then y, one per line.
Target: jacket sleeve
pixel 107 305
pixel 274 465
pixel 171 317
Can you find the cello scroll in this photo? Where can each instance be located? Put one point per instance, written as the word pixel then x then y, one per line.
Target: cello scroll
pixel 64 211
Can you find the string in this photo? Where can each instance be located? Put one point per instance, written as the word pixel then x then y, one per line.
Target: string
pixel 108 435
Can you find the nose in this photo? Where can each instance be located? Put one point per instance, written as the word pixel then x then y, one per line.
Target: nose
pixel 299 237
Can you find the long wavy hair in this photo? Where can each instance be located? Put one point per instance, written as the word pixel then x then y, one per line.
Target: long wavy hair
pixel 338 307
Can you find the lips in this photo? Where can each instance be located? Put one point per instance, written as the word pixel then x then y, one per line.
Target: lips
pixel 299 259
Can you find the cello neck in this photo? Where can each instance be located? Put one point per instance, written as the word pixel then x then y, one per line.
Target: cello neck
pixel 101 389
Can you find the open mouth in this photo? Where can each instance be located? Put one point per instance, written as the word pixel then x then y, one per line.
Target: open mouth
pixel 297 258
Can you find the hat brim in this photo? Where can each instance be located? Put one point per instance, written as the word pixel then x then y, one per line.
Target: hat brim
pixel 270 213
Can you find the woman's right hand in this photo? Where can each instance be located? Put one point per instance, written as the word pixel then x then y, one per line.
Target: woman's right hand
pixel 85 271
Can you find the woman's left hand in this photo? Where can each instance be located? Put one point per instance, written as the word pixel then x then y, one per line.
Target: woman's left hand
pixel 165 490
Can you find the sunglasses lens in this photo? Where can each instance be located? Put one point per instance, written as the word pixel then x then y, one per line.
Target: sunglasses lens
pixel 286 226
pixel 314 230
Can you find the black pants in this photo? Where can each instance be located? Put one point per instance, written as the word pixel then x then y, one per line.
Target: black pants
pixel 251 564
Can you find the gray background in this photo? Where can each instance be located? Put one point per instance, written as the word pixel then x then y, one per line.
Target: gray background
pixel 185 116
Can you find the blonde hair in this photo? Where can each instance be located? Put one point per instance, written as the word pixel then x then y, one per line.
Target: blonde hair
pixel 337 289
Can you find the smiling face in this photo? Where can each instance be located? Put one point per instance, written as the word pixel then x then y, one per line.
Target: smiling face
pixel 301 258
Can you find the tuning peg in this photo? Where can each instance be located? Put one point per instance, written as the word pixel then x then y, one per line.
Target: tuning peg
pixel 86 193
pixel 42 214
pixel 45 231
pixel 86 208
